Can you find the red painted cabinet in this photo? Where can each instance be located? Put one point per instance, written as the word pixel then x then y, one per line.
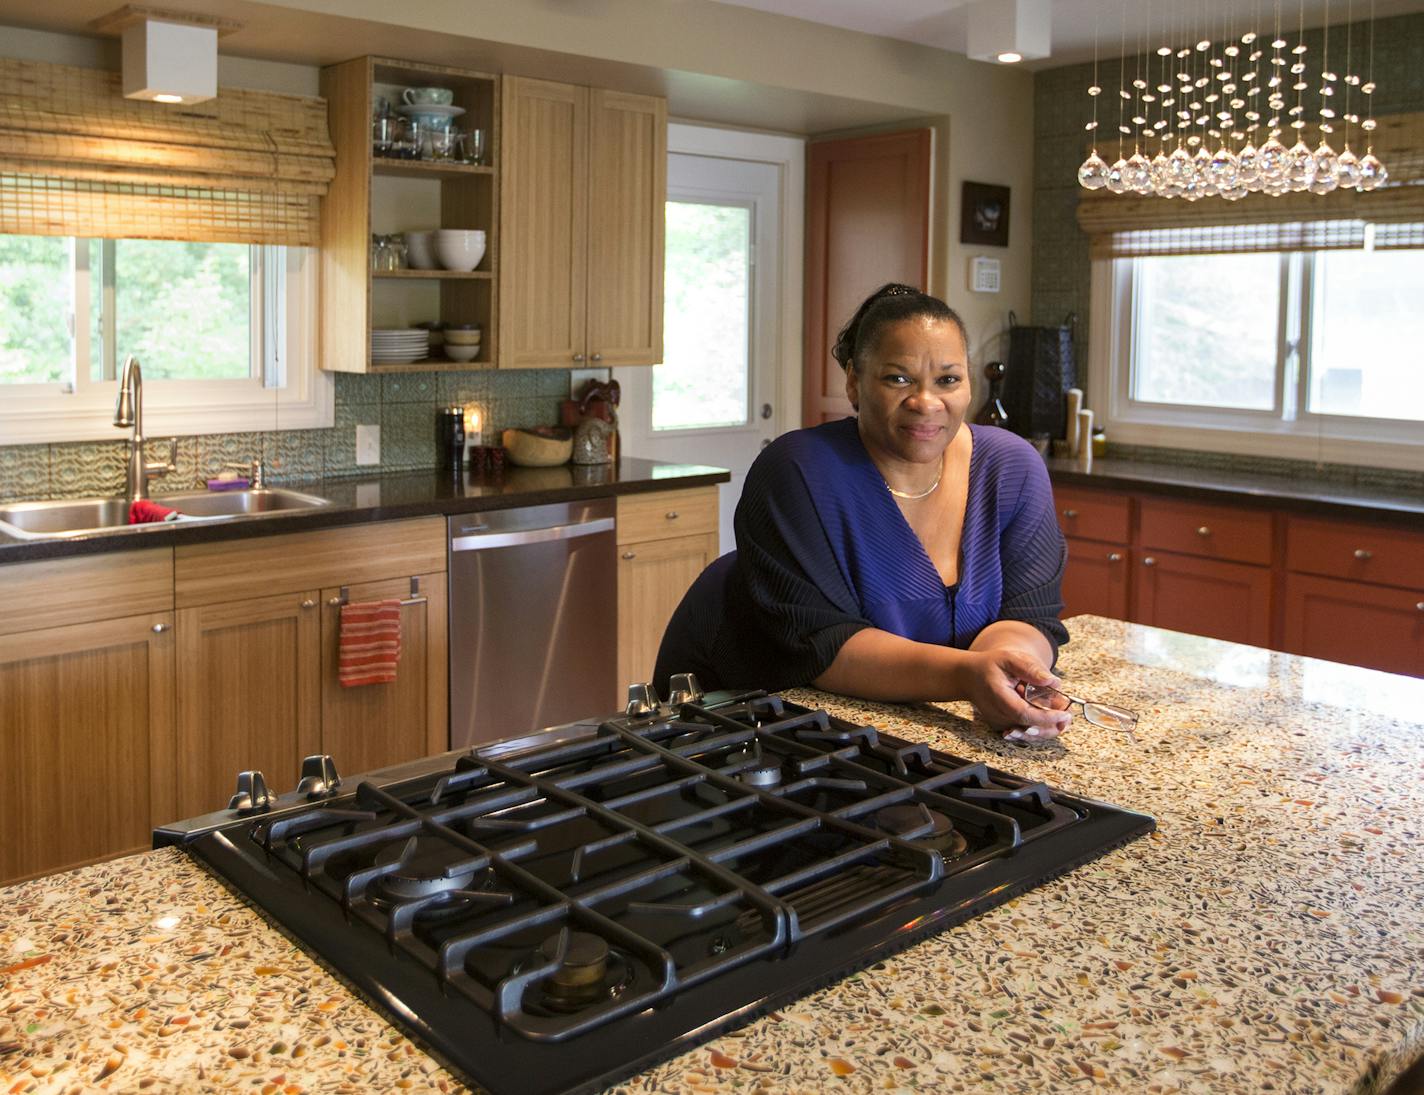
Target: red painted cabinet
pixel 1210 597
pixel 1095 581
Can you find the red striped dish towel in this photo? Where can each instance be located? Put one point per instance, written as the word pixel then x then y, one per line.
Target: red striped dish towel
pixel 370 642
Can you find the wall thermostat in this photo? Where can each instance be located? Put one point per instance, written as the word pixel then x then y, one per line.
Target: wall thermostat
pixel 984 275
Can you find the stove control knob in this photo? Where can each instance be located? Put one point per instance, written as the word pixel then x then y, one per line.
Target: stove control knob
pixel 252 795
pixel 642 700
pixel 319 778
pixel 685 689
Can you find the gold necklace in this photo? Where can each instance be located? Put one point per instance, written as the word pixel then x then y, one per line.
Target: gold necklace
pixel 923 494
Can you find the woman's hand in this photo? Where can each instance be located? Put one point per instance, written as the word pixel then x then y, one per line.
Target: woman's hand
pixel 989 679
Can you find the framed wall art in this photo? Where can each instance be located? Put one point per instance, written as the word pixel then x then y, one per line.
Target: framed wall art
pixel 985 216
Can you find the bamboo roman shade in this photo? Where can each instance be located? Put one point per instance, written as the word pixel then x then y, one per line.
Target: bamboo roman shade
pixel 1129 226
pixel 78 159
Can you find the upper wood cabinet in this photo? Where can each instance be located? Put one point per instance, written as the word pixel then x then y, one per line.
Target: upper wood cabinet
pixel 582 208
pixel 382 195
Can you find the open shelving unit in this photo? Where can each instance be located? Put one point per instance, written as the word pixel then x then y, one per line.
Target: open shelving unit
pixel 372 194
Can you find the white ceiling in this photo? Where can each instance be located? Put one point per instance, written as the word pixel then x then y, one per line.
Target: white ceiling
pixel 941 23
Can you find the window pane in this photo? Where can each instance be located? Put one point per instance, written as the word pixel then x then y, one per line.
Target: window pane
pixel 1207 327
pixel 1367 334
pixel 702 381
pixel 36 301
pixel 183 309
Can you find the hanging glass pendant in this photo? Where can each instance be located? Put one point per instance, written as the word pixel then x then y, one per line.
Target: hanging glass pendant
pixel 1202 175
pixel 1300 167
pixel 1248 167
pixel 1093 173
pixel 1159 175
pixel 1326 169
pixel 1272 161
pixel 1347 169
pixel 1117 176
pixel 1372 172
pixel 1179 172
pixel 1233 193
pixel 1224 167
pixel 1138 175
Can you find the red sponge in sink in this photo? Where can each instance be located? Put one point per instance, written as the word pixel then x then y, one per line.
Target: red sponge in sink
pixel 145 512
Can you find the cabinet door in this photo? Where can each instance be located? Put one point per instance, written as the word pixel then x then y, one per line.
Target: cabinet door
pixel 543 257
pixel 652 577
pixel 1203 597
pixel 628 199
pixel 1352 622
pixel 248 695
pixel 86 757
pixel 375 725
pixel 1095 580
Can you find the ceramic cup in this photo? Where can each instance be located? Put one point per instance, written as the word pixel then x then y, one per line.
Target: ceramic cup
pixel 458 248
pixel 418 252
pixel 440 96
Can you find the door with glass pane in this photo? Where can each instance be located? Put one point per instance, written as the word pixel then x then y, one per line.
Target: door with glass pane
pixel 712 400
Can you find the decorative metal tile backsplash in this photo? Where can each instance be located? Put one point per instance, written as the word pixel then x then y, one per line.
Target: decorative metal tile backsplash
pixel 403 405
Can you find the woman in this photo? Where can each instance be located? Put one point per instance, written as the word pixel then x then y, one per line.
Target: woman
pixel 897 555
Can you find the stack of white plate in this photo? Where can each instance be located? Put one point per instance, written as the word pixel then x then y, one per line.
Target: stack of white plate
pixel 400 346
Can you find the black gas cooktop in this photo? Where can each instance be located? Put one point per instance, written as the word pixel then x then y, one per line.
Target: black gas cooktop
pixel 555 913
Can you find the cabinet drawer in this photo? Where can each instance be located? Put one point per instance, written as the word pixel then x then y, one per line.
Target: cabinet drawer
pixel 666 514
pixel 1092 514
pixel 1357 552
pixel 55 592
pixel 1198 528
pixel 234 570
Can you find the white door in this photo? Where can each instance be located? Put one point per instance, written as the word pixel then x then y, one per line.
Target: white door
pixel 715 399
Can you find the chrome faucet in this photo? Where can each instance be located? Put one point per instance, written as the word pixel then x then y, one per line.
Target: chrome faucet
pixel 128 411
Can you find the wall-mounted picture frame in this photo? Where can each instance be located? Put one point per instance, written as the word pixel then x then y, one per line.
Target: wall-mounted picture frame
pixel 984 219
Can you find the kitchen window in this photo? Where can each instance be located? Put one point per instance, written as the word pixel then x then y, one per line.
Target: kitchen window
pixel 1308 353
pixel 223 331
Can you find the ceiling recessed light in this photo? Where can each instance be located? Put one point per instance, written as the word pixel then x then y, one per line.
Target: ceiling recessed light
pixel 162 98
pixel 1008 31
pixel 1010 58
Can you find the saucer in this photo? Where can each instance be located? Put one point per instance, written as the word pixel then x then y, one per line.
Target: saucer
pixel 433 110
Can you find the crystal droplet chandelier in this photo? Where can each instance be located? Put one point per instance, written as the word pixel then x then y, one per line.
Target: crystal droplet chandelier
pixel 1210 114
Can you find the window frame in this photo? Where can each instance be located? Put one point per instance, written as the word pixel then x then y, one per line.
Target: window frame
pixel 1290 431
pixel 286 389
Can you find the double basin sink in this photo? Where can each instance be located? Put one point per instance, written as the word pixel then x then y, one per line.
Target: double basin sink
pixel 80 516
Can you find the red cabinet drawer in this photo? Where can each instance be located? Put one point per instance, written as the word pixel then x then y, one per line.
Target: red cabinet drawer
pixel 1352 622
pixel 1199 528
pixel 1092 514
pixel 1356 552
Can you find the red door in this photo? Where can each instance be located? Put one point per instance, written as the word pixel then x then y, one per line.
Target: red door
pixel 1376 626
pixel 1203 597
pixel 1095 580
pixel 867 222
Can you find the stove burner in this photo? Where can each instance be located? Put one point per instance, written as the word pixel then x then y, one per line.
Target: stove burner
pixel 591 972
pixel 764 774
pixel 917 822
pixel 422 868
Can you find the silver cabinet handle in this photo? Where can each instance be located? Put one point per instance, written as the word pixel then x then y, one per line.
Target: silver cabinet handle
pixel 671 515
pixel 1362 554
pixel 578 357
pixel 308 603
pixel 159 629
pixel 1419 606
pixel 1149 562
pixel 1114 557
pixel 1203 531
pixel 486 540
pixel 1070 513
pixel 634 555
pixel 596 357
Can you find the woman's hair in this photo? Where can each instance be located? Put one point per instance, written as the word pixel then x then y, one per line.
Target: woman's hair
pixel 888 304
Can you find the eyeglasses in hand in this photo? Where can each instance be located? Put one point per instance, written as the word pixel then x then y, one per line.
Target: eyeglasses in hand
pixel 1105 715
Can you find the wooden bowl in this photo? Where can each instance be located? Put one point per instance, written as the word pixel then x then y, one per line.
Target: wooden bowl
pixel 546 447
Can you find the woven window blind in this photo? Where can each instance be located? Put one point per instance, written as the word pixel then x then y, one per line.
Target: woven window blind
pixel 81 160
pixel 1127 225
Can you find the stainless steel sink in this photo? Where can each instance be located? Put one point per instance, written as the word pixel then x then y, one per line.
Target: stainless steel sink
pixel 81 516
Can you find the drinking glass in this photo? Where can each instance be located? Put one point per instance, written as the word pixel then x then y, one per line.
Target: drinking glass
pixel 444 143
pixel 472 146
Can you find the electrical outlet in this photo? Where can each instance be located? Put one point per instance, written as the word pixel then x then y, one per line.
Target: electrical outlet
pixel 368 445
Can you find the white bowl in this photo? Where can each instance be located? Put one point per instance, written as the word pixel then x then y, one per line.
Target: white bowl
pixel 463 338
pixel 461 353
pixel 418 250
pixel 458 248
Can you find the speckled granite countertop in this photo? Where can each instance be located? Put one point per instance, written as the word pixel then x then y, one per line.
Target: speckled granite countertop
pixel 355 500
pixel 1268 937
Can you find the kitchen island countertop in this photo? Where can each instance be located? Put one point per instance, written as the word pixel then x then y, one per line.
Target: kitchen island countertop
pixel 1268 936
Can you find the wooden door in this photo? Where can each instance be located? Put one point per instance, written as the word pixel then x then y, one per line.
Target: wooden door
pixel 627 213
pixel 543 225
pixel 248 695
pixel 867 223
pixel 376 725
pixel 653 575
pixel 1375 626
pixel 1203 597
pixel 1095 580
pixel 86 757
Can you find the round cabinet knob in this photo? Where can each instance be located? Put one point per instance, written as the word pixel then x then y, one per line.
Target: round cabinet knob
pixel 671 515
pixel 596 357
pixel 1419 606
pixel 578 357
pixel 630 555
pixel 1203 531
pixel 308 603
pixel 1149 562
pixel 1114 557
pixel 1070 513
pixel 1362 554
pixel 159 629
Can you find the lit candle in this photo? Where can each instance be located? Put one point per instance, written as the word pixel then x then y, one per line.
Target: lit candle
pixel 473 425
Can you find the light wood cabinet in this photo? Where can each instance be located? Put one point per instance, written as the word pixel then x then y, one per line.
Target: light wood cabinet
pixel 86 757
pixel 582 208
pixel 665 541
pixel 375 194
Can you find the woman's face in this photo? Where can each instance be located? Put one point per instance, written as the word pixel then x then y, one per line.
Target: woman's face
pixel 912 392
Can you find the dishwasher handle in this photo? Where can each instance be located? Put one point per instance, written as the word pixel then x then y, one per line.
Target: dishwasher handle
pixel 483 541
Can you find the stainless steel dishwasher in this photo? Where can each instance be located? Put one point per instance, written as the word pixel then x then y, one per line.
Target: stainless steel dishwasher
pixel 533 618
